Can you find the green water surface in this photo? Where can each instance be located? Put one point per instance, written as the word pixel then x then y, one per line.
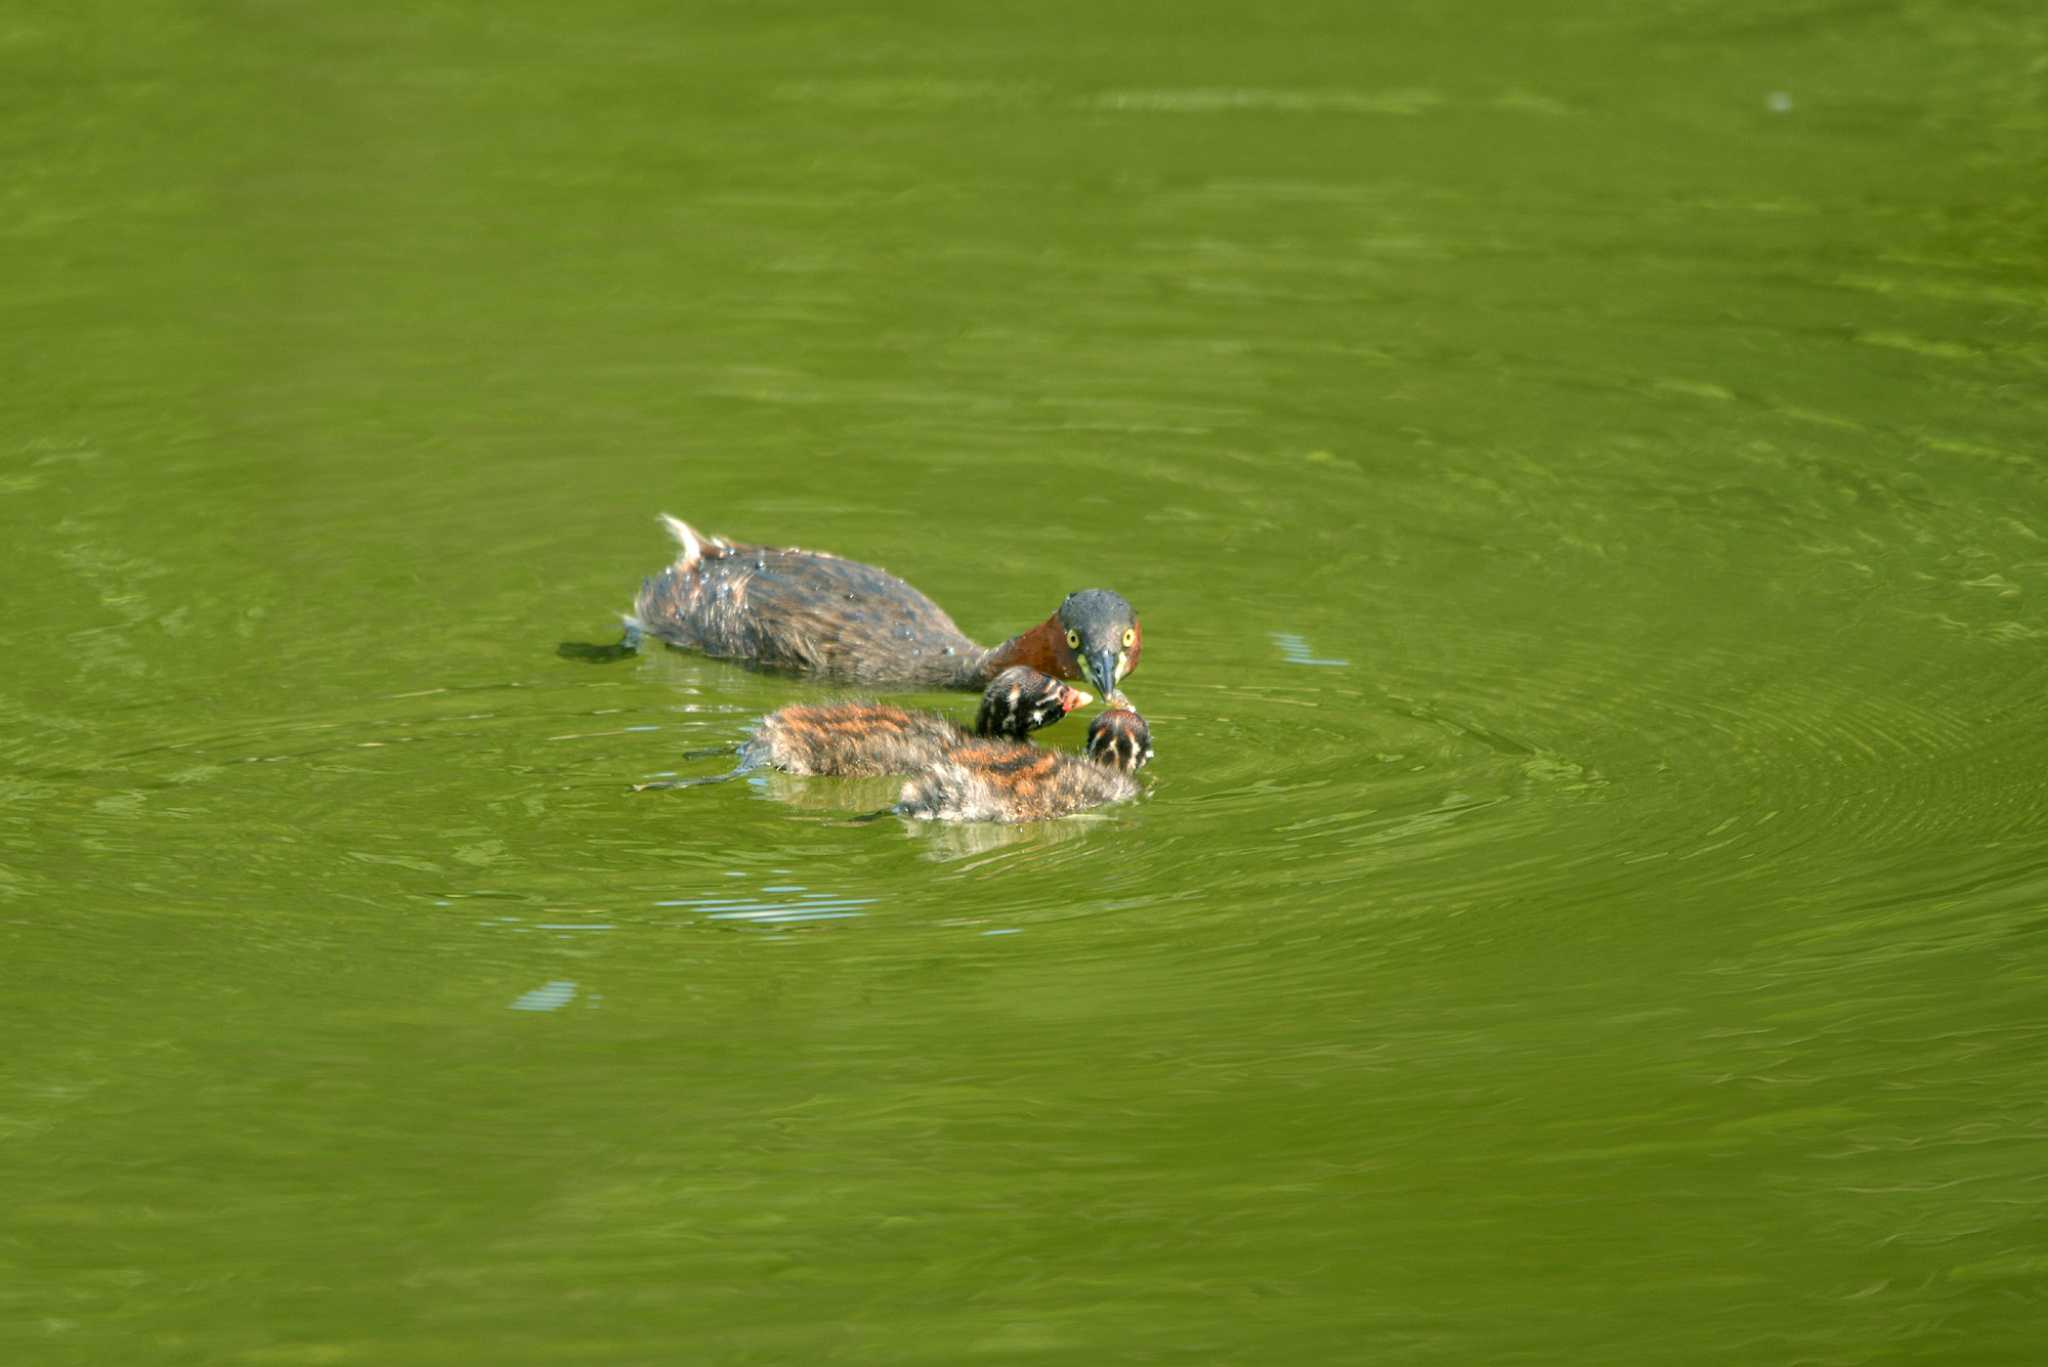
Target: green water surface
pixel 1580 467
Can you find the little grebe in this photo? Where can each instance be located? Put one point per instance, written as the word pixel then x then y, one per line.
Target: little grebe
pixel 1006 781
pixel 815 613
pixel 862 739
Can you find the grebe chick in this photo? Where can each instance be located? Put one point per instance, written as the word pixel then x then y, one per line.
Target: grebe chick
pixel 995 781
pixel 1120 739
pixel 817 614
pixel 862 739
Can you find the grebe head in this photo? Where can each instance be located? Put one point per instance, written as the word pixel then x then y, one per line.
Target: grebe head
pixel 1020 700
pixel 1120 739
pixel 1102 632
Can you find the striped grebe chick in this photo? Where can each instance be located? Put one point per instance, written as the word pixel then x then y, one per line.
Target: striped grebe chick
pixel 1008 782
pixel 863 739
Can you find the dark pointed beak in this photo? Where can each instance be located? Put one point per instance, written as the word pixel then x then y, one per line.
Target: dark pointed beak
pixel 1101 667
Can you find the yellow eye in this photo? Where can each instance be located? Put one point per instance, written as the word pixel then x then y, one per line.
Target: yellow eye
pixel 1130 635
pixel 1073 640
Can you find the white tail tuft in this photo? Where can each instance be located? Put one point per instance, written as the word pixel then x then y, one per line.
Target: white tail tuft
pixel 693 549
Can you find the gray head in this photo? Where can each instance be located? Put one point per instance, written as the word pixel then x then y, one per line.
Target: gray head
pixel 1020 700
pixel 1120 739
pixel 1103 636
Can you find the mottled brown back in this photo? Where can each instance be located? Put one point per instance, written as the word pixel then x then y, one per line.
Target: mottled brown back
pixel 852 740
pixel 992 780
